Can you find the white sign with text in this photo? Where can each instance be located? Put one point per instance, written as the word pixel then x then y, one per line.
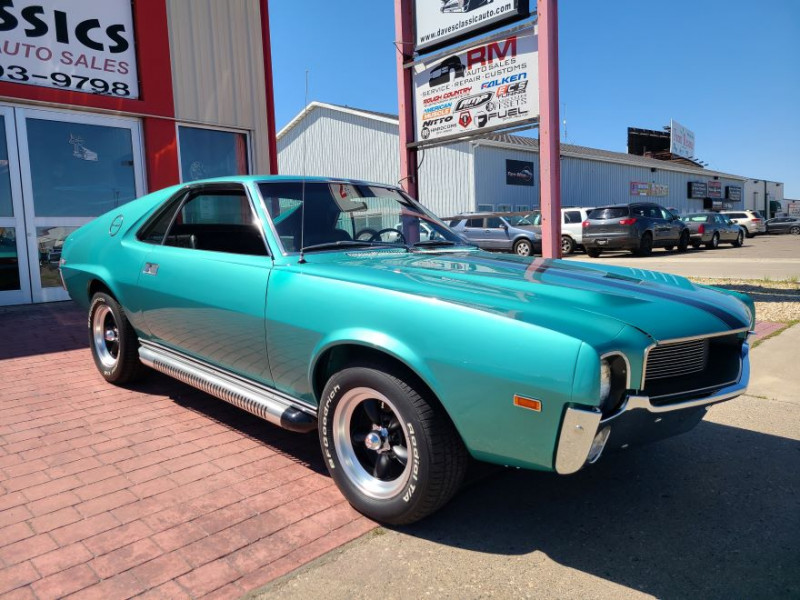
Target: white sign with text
pixel 681 140
pixel 77 45
pixel 486 87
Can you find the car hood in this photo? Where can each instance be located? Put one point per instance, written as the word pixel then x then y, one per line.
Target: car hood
pixel 589 302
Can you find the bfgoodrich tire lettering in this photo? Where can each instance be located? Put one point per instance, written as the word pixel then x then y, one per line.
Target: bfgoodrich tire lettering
pixel 392 452
pixel 114 345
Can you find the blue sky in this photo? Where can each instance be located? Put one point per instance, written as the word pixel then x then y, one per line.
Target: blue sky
pixel 727 69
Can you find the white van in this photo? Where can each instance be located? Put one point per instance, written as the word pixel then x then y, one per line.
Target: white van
pixel 572 218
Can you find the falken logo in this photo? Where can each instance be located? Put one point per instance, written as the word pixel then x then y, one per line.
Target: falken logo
pixel 473 101
pixel 504 81
pixel 464 119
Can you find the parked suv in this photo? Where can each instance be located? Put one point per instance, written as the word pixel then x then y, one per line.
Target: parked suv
pixel 750 220
pixel 572 218
pixel 638 227
pixel 490 231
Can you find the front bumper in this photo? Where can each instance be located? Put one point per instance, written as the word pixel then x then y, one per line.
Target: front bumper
pixel 638 421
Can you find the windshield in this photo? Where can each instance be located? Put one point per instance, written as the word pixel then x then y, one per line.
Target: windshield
pixel 330 215
pixel 520 220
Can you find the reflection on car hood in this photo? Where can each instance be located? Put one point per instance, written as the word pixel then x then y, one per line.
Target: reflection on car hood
pixel 583 300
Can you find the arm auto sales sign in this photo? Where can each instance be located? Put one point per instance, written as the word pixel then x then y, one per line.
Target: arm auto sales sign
pixel 78 45
pixel 478 89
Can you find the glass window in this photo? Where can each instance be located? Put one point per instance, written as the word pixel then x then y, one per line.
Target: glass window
pixel 475 223
pixel 494 222
pixel 220 221
pixel 50 241
pixel 9 261
pixel 503 208
pixel 6 206
pixel 327 216
pixel 609 213
pixel 211 153
pixel 485 208
pixel 572 216
pixel 155 230
pixel 79 170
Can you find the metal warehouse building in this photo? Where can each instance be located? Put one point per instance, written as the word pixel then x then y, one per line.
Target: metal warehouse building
pixel 499 172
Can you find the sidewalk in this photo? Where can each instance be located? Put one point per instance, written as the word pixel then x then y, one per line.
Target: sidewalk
pixel 156 489
pixel 710 514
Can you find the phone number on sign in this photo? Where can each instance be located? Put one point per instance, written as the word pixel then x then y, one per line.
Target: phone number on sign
pixel 94 85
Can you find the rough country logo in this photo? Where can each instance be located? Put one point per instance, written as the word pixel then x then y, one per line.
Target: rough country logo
pixel 464 119
pixel 473 101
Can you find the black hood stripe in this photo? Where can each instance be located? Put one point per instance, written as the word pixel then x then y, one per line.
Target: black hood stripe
pixel 539 267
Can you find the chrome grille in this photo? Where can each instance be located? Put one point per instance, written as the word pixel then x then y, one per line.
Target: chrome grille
pixel 677 359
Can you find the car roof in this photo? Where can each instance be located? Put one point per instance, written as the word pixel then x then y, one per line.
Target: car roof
pixel 278 178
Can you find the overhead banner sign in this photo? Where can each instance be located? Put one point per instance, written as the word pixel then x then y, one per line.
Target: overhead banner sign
pixel 77 45
pixel 681 140
pixel 478 90
pixel 442 22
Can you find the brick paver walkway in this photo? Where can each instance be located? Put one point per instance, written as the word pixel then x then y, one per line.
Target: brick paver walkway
pixel 155 490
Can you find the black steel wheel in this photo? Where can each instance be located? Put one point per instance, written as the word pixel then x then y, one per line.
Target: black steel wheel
pixel 392 451
pixel 114 344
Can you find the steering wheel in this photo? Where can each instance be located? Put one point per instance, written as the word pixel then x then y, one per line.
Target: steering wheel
pixel 392 230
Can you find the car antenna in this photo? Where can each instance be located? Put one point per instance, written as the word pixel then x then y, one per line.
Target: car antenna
pixel 303 190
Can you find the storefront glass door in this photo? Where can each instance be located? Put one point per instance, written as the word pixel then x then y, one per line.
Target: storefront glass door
pixel 14 273
pixel 73 168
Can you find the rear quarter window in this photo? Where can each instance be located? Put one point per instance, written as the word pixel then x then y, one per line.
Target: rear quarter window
pixel 608 213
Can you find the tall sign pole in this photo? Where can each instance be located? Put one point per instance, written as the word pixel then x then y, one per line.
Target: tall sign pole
pixel 404 41
pixel 549 143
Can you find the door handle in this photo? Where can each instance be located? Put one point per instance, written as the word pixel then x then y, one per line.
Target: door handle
pixel 150 269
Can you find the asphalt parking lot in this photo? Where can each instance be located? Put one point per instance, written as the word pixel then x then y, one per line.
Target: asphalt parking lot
pixel 764 256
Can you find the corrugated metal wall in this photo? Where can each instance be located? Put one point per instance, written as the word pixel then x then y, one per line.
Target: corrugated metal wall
pixel 340 144
pixel 218 68
pixel 583 182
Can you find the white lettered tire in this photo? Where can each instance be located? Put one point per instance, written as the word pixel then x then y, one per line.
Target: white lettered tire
pixel 392 452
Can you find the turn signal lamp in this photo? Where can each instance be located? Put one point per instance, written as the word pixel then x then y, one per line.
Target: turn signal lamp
pixel 529 403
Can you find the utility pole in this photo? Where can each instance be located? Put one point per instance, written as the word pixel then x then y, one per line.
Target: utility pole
pixel 549 127
pixel 404 41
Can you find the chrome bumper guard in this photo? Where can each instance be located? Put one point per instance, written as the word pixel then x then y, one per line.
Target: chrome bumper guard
pixel 582 425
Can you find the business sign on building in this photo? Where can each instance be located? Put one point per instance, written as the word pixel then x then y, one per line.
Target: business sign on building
pixel 442 22
pixel 733 193
pixel 477 90
pixel 519 172
pixel 643 188
pixel 698 189
pixel 793 209
pixel 714 189
pixel 681 140
pixel 77 45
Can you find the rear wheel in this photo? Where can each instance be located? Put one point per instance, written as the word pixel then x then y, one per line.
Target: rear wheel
pixel 645 245
pixel 696 244
pixel 567 245
pixel 523 248
pixel 593 252
pixel 714 243
pixel 392 451
pixel 795 230
pixel 739 241
pixel 115 347
pixel 747 234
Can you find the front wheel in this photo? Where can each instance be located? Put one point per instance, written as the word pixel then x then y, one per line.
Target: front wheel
pixel 795 230
pixel 739 242
pixel 115 347
pixel 523 248
pixel 392 452
pixel 683 242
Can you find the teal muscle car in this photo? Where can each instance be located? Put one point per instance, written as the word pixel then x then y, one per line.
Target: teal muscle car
pixel 317 304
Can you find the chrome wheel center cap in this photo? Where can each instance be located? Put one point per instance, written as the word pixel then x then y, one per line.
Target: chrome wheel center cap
pixel 111 335
pixel 373 441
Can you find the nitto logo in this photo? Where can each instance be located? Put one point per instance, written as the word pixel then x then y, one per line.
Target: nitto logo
pixel 464 119
pixel 473 101
pixel 433 122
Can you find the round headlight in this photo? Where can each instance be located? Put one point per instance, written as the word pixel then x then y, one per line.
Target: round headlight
pixel 605 380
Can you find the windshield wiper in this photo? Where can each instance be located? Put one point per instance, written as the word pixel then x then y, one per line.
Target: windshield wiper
pixel 346 244
pixel 433 243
